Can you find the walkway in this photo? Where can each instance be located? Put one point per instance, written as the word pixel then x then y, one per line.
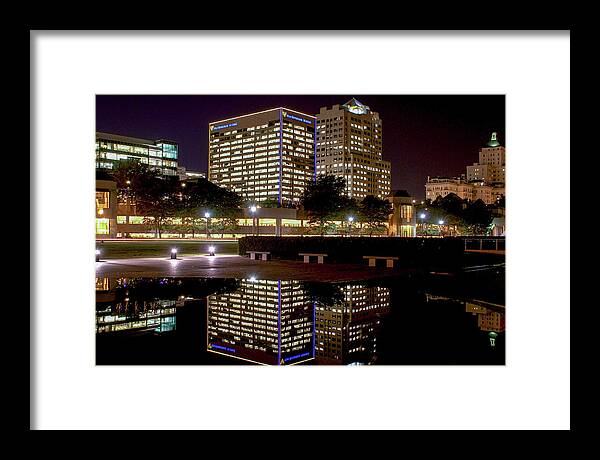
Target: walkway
pixel 234 266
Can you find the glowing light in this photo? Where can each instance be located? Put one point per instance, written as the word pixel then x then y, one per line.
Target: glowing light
pixel 207 214
pixel 253 208
pixel 97 252
pixel 252 279
pixel 422 216
pixel 211 250
pixel 441 222
pixel 174 251
pixel 350 219
pixel 100 211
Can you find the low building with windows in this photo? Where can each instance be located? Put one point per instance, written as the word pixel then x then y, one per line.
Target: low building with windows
pixel 106 207
pixel 186 174
pixel 403 221
pixel 475 190
pixel 161 155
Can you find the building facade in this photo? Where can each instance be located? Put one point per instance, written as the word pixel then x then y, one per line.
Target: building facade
pixel 403 221
pixel 186 174
pixel 491 168
pixel 442 186
pixel 161 155
pixel 350 145
pixel 106 208
pixel 264 156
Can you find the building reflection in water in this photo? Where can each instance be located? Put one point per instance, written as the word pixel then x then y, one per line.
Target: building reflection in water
pixel 490 317
pixel 264 321
pixel 347 324
pixel 115 311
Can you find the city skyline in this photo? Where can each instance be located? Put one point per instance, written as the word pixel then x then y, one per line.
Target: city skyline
pixel 425 135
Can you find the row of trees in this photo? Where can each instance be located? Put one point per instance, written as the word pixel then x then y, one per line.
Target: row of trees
pixel 170 205
pixel 162 199
pixel 325 202
pixel 469 217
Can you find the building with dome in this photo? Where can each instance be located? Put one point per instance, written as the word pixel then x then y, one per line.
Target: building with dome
pixel 491 166
pixel 484 180
pixel 350 145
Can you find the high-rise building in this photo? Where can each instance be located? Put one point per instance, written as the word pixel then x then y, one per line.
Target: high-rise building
pixel 263 156
pixel 264 321
pixel 161 155
pixel 492 164
pixel 349 145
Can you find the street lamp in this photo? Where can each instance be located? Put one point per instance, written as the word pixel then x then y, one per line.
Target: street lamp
pixel 174 253
pixel 211 250
pixel 97 255
pixel 128 182
pixel 441 222
pixel 423 216
pixel 207 216
pixel 253 211
pixel 350 220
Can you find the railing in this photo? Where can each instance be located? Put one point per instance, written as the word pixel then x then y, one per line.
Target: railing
pixel 485 244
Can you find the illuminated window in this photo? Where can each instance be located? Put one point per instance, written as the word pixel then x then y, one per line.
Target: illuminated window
pixel 102 200
pixel 102 227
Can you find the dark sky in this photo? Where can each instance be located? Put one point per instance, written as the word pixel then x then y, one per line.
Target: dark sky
pixel 422 135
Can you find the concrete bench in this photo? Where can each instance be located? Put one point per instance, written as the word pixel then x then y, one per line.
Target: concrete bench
pixel 262 253
pixel 307 255
pixel 389 261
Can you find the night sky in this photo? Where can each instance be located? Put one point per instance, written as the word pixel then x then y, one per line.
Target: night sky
pixel 422 135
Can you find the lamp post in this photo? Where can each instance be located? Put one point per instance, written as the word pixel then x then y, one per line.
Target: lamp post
pixel 128 182
pixel 440 223
pixel 207 216
pixel 253 211
pixel 423 216
pixel 350 220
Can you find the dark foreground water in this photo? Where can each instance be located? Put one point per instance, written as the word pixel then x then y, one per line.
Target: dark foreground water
pixel 280 322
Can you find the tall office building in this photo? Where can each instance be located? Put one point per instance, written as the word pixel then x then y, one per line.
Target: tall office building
pixel 349 145
pixel 492 164
pixel 267 155
pixel 161 154
pixel 264 321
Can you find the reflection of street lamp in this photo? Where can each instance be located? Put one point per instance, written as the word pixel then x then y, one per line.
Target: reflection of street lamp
pixel 207 215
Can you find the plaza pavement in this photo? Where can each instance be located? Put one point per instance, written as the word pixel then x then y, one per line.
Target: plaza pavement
pixel 235 266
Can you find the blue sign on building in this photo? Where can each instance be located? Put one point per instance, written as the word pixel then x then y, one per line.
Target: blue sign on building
pixel 294 117
pixel 228 125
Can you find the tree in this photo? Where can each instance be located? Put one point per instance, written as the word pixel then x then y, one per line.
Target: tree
pixel 323 199
pixel 156 200
pixel 374 212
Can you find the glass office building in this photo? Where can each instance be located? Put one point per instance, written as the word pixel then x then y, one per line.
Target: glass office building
pixel 263 156
pixel 265 321
pixel 161 155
